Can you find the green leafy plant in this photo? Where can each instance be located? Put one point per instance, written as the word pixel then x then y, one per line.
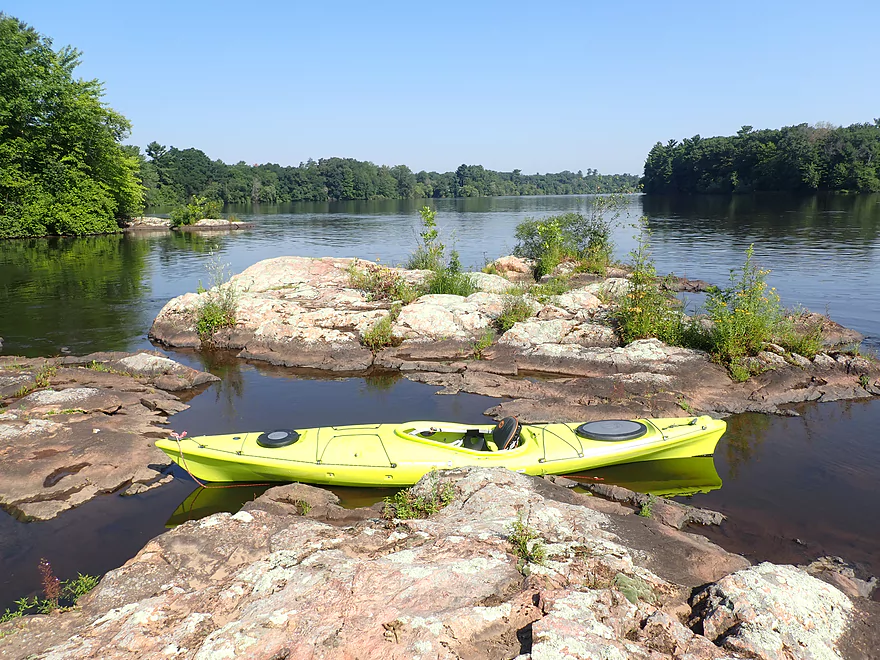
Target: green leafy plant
pixel 430 252
pixel 647 508
pixel 645 310
pixel 406 505
pixel 218 305
pixel 199 208
pixel 58 594
pixel 526 544
pixel 380 335
pixel 744 315
pixel 684 405
pixel 515 309
pixel 450 282
pixel 555 286
pixel 484 342
pixel 864 380
pixel 302 507
pixel 380 282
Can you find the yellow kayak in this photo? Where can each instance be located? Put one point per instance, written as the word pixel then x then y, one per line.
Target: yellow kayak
pixel 400 454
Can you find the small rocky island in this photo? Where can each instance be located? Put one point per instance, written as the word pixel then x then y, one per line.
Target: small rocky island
pixel 305 312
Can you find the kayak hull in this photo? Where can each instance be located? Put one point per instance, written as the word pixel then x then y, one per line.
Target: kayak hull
pixel 394 455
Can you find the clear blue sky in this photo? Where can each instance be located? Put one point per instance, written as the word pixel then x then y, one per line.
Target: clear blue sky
pixel 539 86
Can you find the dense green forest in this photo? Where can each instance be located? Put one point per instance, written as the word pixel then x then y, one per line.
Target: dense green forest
pixel 62 167
pixel 793 158
pixel 171 176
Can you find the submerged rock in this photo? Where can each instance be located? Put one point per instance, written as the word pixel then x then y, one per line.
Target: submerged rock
pixel 270 582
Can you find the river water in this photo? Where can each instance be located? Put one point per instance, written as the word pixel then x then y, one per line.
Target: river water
pixel 793 488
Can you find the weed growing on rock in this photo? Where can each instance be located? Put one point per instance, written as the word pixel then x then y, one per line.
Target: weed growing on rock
pixel 483 343
pixel 684 405
pixel 645 310
pixel 380 283
pixel 515 309
pixel 526 544
pixel 44 374
pixel 647 508
pixel 302 507
pixel 554 287
pixel 380 335
pixel 744 315
pixel 58 594
pixel 864 381
pixel 450 282
pixel 406 505
pixel 218 306
pixel 429 254
pixel 796 335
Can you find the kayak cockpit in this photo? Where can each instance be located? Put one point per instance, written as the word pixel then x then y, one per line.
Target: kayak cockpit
pixel 505 435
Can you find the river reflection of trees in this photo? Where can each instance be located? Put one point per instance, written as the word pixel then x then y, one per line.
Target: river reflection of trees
pixel 745 435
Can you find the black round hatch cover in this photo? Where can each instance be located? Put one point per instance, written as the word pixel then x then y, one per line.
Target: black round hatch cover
pixel 612 430
pixel 275 439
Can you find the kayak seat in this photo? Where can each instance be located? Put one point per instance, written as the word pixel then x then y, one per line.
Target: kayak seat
pixel 505 435
pixel 474 440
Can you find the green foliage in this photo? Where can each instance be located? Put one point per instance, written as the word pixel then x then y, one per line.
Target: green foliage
pixel 484 342
pixel 796 333
pixel 170 176
pixel 198 208
pixel 406 505
pixel 381 283
pixel 571 236
pixel 864 380
pixel 515 309
pixel 302 507
pixel 526 544
pixel 793 158
pixel 645 310
pixel 218 306
pixel 647 508
pixel 380 335
pixel 745 315
pixel 555 286
pixel 62 168
pixel 449 282
pixel 63 594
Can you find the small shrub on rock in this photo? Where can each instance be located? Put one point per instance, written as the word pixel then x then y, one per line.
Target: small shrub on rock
pixel 516 309
pixel 380 283
pixel 406 505
pixel 645 310
pixel 380 335
pixel 218 306
pixel 526 544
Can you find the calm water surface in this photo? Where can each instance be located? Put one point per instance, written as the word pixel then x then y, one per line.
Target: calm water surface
pixel 793 487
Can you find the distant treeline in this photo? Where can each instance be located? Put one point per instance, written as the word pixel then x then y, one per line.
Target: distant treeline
pixel 792 158
pixel 171 176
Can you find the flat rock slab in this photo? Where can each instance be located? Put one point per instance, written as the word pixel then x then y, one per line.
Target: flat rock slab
pixel 271 583
pixel 78 427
